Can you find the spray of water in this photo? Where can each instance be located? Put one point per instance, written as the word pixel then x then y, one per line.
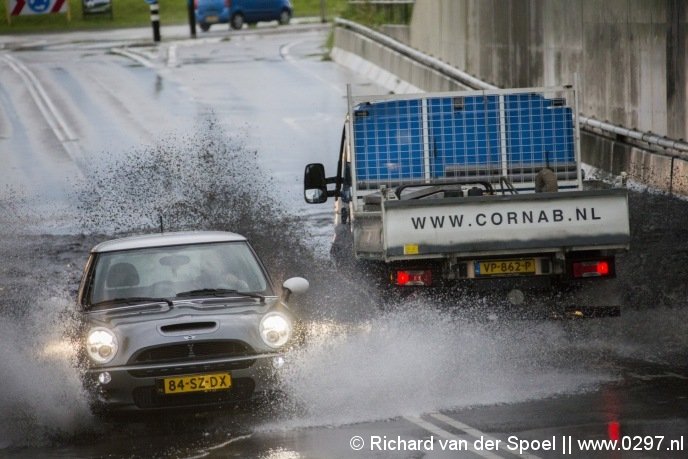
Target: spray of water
pixel 420 359
pixel 42 394
pixel 205 180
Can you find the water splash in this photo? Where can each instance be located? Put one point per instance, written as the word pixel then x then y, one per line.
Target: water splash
pixel 206 180
pixel 42 395
pixel 420 359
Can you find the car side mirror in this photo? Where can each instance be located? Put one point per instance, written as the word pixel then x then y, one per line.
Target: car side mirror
pixel 296 285
pixel 315 184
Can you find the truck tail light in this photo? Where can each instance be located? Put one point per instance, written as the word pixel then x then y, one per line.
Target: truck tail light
pixel 597 268
pixel 228 3
pixel 414 277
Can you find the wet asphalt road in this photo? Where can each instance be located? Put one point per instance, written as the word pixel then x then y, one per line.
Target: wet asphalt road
pixel 70 110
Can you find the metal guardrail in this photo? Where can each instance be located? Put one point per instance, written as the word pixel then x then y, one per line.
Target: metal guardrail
pixel 413 54
pixel 646 137
pixel 587 123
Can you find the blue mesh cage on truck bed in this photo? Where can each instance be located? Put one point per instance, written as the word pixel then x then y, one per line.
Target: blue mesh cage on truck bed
pixel 484 135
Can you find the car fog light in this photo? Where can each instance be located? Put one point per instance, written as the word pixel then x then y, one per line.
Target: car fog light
pixel 277 362
pixel 104 377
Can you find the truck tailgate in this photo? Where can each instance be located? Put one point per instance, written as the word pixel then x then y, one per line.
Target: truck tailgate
pixel 502 225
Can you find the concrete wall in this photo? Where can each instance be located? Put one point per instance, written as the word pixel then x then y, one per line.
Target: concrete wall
pixel 387 68
pixel 657 171
pixel 630 55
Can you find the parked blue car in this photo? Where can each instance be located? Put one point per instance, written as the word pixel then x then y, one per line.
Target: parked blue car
pixel 238 12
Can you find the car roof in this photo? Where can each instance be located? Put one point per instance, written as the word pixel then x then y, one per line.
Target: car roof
pixel 166 239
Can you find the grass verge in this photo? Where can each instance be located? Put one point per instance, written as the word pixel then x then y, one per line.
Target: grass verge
pixel 134 13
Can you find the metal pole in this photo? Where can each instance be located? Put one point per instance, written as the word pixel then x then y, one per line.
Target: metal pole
pixel 323 15
pixel 192 18
pixel 155 20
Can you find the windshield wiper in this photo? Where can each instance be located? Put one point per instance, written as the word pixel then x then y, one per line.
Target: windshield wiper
pixel 220 293
pixel 131 300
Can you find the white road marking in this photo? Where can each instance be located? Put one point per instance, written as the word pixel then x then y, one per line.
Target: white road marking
pixel 229 442
pixel 207 450
pixel 48 109
pixel 666 374
pixel 172 55
pixel 285 53
pixel 472 431
pixel 5 123
pixel 198 41
pixel 147 59
pixel 432 428
pixel 675 375
pixel 286 49
pixel 304 124
pixel 40 97
pixel 133 56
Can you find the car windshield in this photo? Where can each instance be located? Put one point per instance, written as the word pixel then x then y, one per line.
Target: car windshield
pixel 165 272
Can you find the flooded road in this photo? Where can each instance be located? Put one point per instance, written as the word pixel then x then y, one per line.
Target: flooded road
pixel 214 135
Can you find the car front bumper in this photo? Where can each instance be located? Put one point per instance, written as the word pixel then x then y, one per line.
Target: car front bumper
pixel 140 387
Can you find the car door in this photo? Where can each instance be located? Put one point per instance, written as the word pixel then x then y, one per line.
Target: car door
pixel 251 9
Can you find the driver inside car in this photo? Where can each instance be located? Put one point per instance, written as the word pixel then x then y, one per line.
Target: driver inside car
pixel 234 283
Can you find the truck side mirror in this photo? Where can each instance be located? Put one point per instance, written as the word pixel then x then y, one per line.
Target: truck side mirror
pixel 315 184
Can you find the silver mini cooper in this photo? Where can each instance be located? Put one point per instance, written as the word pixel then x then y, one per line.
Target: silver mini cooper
pixel 181 320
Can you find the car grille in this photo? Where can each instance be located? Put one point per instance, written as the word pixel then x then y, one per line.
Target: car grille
pixel 150 397
pixel 191 351
pixel 191 369
pixel 187 353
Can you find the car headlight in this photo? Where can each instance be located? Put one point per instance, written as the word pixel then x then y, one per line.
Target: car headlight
pixel 101 345
pixel 275 329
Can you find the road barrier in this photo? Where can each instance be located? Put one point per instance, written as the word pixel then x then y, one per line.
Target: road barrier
pixel 155 18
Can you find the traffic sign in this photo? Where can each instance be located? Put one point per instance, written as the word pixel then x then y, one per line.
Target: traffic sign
pixel 32 7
